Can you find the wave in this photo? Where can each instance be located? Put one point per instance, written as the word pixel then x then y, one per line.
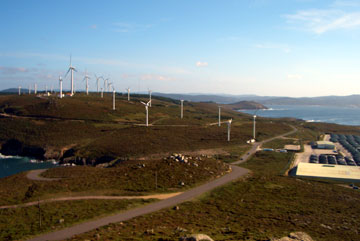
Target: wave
pixel 8 157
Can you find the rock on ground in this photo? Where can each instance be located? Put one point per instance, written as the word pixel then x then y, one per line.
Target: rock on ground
pixel 196 237
pixel 296 236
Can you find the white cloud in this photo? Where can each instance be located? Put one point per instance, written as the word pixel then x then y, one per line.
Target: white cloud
pixel 123 27
pixel 155 77
pixel 202 64
pixel 294 76
pixel 281 47
pixel 320 21
pixel 12 70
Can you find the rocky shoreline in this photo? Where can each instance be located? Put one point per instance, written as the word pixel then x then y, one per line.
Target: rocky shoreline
pixel 68 155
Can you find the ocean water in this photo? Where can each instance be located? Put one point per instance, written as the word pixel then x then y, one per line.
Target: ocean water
pixel 329 114
pixel 10 165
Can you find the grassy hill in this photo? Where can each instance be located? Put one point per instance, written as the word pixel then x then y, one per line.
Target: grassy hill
pixel 90 129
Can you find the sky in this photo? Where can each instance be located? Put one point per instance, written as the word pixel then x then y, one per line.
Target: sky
pixel 264 47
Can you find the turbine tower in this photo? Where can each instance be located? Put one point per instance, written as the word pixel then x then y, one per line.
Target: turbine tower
pixel 113 99
pixel 228 130
pixel 19 90
pixel 147 111
pixel 97 82
pixel 150 91
pixel 182 109
pixel 72 69
pixel 102 93
pixel 128 91
pixel 219 115
pixel 35 89
pixel 87 77
pixel 60 83
pixel 254 127
pixel 29 89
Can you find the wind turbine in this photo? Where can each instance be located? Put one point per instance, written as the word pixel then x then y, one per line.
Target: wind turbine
pixel 182 109
pixel 60 83
pixel 229 128
pixel 29 89
pixel 128 90
pixel 147 111
pixel 113 99
pixel 219 115
pixel 150 91
pixel 102 93
pixel 19 90
pixel 45 89
pixel 109 86
pixel 35 89
pixel 97 82
pixel 72 69
pixel 254 125
pixel 105 84
pixel 87 77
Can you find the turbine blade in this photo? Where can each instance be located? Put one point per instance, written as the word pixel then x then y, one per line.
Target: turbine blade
pixel 67 73
pixel 143 103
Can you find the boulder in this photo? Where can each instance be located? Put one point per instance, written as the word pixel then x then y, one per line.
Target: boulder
pixel 296 236
pixel 196 237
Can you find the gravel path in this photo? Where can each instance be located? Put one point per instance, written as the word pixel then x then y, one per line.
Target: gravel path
pixel 155 196
pixel 35 175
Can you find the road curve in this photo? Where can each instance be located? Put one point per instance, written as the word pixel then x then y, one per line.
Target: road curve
pixel 236 173
pixel 35 175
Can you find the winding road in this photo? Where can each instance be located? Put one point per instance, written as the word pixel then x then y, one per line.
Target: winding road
pixel 236 173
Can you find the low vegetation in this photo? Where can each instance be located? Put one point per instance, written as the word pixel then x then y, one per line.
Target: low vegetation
pixel 126 178
pixel 23 222
pixel 266 205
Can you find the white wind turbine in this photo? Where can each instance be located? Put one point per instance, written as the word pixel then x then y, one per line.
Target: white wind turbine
pixel 102 93
pixel 128 91
pixel 105 84
pixel 19 90
pixel 150 91
pixel 182 109
pixel 72 69
pixel 114 99
pixel 29 89
pixel 229 128
pixel 219 115
pixel 45 89
pixel 97 82
pixel 60 83
pixel 35 89
pixel 147 111
pixel 109 86
pixel 254 125
pixel 87 77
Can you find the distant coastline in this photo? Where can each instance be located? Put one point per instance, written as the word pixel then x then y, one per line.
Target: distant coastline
pixel 312 113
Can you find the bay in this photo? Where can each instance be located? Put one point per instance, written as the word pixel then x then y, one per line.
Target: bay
pixel 10 165
pixel 328 114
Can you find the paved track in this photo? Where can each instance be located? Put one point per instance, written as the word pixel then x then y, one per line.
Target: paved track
pixel 236 173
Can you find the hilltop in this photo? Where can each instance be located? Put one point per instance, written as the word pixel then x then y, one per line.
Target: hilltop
pixel 85 129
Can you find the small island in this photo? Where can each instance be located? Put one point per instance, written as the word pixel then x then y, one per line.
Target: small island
pixel 247 105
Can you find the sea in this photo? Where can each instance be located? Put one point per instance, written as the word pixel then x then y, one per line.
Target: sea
pixel 312 113
pixel 10 165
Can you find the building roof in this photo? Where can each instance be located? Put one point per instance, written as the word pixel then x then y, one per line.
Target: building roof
pixel 328 171
pixel 325 143
pixel 292 147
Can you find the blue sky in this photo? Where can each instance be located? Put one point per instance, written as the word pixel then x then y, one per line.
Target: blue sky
pixel 263 47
